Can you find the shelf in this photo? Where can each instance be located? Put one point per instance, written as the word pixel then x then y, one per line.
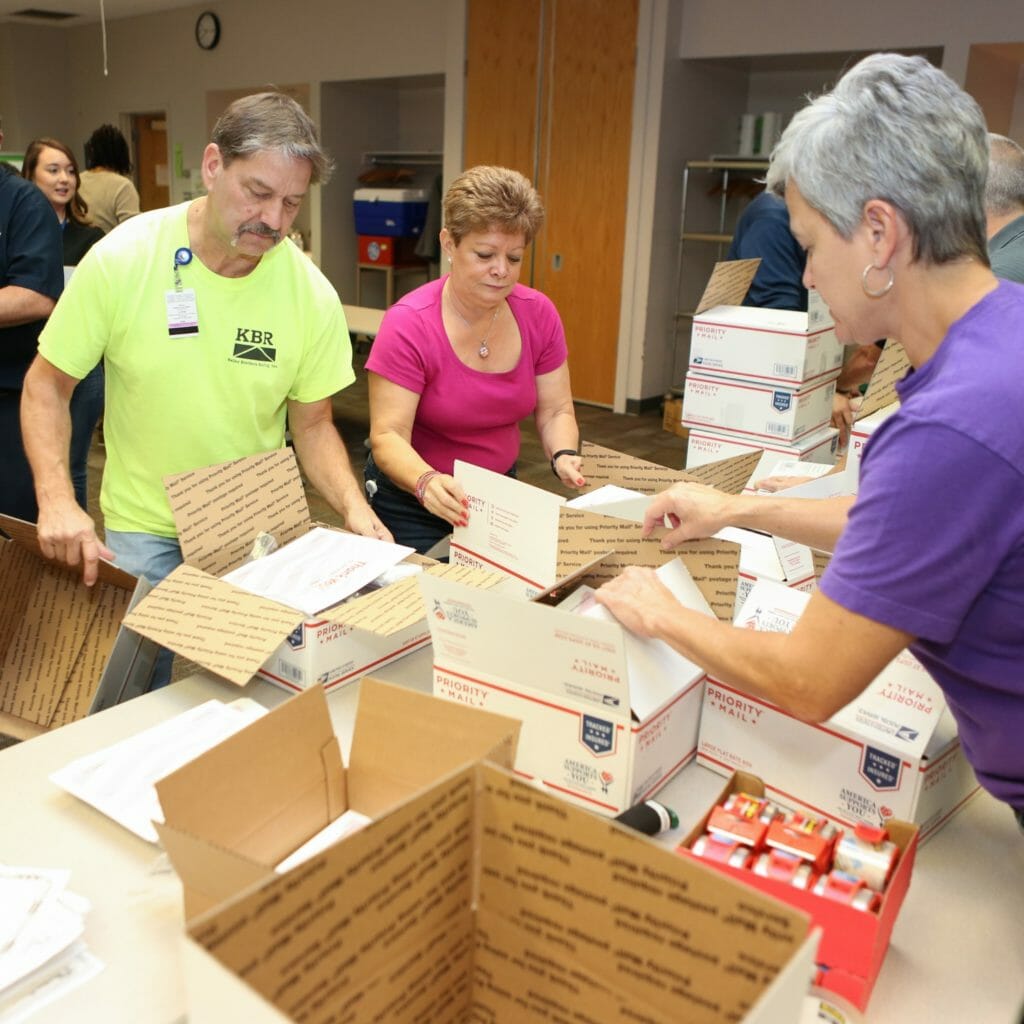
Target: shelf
pixel 728 165
pixel 699 236
pixel 423 158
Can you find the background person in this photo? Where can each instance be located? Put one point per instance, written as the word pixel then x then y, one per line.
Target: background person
pixel 458 362
pixel 53 168
pixel 31 280
pixel 884 179
pixel 271 347
pixel 106 186
pixel 1004 208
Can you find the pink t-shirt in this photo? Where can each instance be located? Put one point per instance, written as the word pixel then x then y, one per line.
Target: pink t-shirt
pixel 465 413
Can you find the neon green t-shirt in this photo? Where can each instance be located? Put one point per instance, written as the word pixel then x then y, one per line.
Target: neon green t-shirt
pixel 177 403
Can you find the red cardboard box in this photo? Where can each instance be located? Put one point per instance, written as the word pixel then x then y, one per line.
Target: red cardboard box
pixel 853 942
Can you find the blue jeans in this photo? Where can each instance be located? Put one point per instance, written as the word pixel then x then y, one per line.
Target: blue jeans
pixel 144 554
pixel 86 409
pixel 17 493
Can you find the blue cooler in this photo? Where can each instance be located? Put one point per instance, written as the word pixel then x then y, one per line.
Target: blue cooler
pixel 395 212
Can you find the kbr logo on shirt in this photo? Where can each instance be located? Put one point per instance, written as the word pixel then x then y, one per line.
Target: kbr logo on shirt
pixel 254 346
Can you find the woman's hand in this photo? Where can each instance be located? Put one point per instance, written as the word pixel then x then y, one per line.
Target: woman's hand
pixel 567 467
pixel 444 497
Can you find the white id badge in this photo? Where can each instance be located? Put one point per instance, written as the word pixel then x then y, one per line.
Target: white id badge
pixel 182 314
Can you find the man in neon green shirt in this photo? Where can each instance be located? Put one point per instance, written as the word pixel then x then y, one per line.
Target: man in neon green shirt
pixel 216 333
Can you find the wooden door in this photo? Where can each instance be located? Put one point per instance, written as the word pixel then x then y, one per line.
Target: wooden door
pixel 549 91
pixel 149 138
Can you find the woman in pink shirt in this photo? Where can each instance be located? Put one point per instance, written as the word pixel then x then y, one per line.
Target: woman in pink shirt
pixel 460 361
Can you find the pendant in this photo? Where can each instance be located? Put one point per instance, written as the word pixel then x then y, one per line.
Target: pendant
pixel 483 351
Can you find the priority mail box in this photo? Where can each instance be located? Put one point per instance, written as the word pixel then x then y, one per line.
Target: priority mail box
pixel 757 410
pixel 704 445
pixel 220 511
pixel 56 635
pixel 862 430
pixel 242 807
pixel 853 942
pixel 892 752
pixel 774 346
pixel 483 899
pixel 764 557
pixel 608 717
pixel 534 538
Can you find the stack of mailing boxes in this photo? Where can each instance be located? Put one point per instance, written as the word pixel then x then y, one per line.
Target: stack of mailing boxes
pixel 762 378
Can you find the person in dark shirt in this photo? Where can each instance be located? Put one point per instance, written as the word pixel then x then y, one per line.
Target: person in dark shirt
pixel 31 280
pixel 52 167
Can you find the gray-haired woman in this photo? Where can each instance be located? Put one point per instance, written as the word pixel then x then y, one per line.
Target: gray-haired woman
pixel 884 178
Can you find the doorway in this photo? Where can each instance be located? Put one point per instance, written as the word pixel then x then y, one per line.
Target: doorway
pixel 149 144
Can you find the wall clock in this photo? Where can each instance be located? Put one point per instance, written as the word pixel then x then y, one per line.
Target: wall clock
pixel 207 30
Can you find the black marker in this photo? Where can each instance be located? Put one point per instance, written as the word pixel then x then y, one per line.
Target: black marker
pixel 649 817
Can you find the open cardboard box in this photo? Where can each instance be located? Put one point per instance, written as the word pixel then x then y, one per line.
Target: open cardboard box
pixel 608 717
pixel 56 635
pixel 853 942
pixel 764 557
pixel 483 898
pixel 892 752
pixel 239 809
pixel 219 510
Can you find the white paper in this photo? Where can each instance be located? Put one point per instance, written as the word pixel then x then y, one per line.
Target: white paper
pixel 344 825
pixel 119 780
pixel 54 979
pixel 318 570
pixel 617 502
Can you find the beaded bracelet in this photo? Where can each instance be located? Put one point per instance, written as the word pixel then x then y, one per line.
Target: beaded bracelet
pixel 558 455
pixel 421 484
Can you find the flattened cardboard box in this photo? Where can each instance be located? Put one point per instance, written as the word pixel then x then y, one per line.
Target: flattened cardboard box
pixel 853 942
pixel 55 633
pixel 892 752
pixel 485 899
pixel 236 811
pixel 608 718
pixel 219 511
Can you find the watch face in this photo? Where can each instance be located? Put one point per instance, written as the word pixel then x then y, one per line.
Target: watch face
pixel 207 30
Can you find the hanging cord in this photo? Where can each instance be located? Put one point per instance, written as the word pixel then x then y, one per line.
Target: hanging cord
pixel 103 29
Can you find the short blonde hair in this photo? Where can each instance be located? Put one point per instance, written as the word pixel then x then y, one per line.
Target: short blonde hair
pixel 492 199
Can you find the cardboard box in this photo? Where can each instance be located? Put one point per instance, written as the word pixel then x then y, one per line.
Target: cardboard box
pixel 704 446
pixel 219 511
pixel 56 635
pixel 532 537
pixel 389 211
pixel 773 346
pixel 485 899
pixel 893 752
pixel 239 809
pixel 764 557
pixel 672 417
pixel 853 942
pixel 760 411
pixel 863 428
pixel 608 717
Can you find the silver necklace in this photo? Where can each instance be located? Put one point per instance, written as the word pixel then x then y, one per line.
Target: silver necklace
pixel 483 351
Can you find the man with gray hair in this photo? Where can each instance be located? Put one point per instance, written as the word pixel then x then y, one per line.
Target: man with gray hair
pixel 1004 208
pixel 216 333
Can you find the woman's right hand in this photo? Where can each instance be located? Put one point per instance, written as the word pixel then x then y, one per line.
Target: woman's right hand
pixel 444 497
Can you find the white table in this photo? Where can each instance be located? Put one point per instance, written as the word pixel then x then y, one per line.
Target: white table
pixel 957 951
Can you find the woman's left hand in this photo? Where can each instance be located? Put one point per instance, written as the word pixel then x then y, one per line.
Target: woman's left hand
pixel 568 469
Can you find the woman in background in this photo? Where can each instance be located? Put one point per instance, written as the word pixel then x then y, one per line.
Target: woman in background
pixel 52 167
pixel 460 361
pixel 105 185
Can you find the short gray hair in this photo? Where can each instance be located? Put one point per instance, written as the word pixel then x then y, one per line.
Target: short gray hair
pixel 271 121
pixel 899 129
pixel 1004 192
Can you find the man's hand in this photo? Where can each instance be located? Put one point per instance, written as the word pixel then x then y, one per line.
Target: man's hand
pixel 363 520
pixel 689 511
pixel 638 599
pixel 67 534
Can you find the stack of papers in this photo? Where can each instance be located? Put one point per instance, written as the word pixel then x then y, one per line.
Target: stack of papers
pixel 120 780
pixel 41 952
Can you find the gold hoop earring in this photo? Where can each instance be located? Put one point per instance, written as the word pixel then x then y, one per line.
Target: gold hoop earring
pixel 872 293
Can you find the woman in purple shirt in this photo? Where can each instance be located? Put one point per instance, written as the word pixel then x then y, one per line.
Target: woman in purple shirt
pixel 460 361
pixel 884 178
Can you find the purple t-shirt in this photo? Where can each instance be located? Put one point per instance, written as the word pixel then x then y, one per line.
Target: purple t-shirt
pixel 935 540
pixel 464 413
